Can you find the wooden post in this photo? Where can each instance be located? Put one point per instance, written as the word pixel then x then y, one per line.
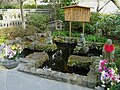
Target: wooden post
pixel 83 27
pixel 70 30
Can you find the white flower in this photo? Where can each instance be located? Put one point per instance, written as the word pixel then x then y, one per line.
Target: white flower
pixel 103 85
pixel 112 83
pixel 10 51
pixel 117 78
pixel 113 71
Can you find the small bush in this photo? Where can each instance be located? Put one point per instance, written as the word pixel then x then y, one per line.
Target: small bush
pixel 13 32
pixel 115 87
pixel 94 38
pixel 117 56
pixel 28 6
pixel 41 21
pixel 9 6
pixel 60 33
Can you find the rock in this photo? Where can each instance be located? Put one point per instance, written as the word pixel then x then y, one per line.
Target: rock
pixel 18 39
pixel 30 38
pixel 49 40
pixel 38 57
pixel 75 60
pixel 42 47
pixel 81 49
pixel 78 79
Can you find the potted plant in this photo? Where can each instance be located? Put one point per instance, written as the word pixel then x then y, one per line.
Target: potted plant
pixel 9 55
pixel 108 74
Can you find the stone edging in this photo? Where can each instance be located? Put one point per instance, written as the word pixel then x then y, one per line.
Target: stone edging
pixel 86 81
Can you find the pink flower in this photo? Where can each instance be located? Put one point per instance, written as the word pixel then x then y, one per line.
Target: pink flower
pixel 102 62
pixel 108 73
pixel 105 68
pixel 113 78
pixel 117 78
pixel 100 69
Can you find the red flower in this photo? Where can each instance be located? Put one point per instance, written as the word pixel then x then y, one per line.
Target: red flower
pixel 109 48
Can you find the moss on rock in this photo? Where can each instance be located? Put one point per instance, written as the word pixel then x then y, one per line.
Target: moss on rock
pixel 39 58
pixel 74 60
pixel 42 47
pixel 13 32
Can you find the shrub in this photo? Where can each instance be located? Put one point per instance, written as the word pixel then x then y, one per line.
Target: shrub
pixel 94 38
pixel 40 21
pixel 117 55
pixel 33 6
pixel 28 6
pixel 115 87
pixel 9 6
pixel 13 32
pixel 60 33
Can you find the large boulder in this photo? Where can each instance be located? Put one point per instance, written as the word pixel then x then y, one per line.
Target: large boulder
pixel 36 45
pixel 75 60
pixel 37 58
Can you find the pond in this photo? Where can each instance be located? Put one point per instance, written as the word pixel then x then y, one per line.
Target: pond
pixel 59 63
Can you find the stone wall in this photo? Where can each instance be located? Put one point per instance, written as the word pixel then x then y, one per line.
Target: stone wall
pixel 86 81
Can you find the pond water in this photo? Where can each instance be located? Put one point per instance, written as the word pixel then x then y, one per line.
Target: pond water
pixel 60 63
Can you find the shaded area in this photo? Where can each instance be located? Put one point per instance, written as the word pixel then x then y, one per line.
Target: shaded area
pixel 59 59
pixel 60 64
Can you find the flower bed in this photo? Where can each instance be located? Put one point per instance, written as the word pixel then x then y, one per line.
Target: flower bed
pixel 108 74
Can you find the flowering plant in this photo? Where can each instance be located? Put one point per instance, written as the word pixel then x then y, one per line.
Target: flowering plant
pixel 108 73
pixel 10 51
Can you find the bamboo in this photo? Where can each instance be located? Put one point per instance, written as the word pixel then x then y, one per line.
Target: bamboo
pixel 70 30
pixel 83 28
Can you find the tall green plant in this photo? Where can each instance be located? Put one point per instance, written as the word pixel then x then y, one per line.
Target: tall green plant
pixel 41 21
pixel 95 38
pixel 66 2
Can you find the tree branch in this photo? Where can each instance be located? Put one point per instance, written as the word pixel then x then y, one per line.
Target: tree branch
pixel 117 3
pixel 103 6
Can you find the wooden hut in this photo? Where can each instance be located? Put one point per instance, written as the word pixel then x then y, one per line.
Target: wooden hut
pixel 77 13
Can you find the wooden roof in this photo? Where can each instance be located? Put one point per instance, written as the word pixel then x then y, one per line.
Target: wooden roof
pixel 72 6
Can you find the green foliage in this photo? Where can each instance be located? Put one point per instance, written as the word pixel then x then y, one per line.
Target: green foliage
pixel 79 61
pixel 60 33
pixel 2 39
pixel 107 24
pixel 117 53
pixel 65 33
pixel 40 21
pixel 44 6
pixel 47 47
pixel 13 32
pixel 116 32
pixel 28 6
pixel 60 14
pixel 66 2
pixel 118 63
pixel 75 34
pixel 9 6
pixel 115 87
pixel 33 6
pixel 94 38
pixel 90 27
pixel 25 6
